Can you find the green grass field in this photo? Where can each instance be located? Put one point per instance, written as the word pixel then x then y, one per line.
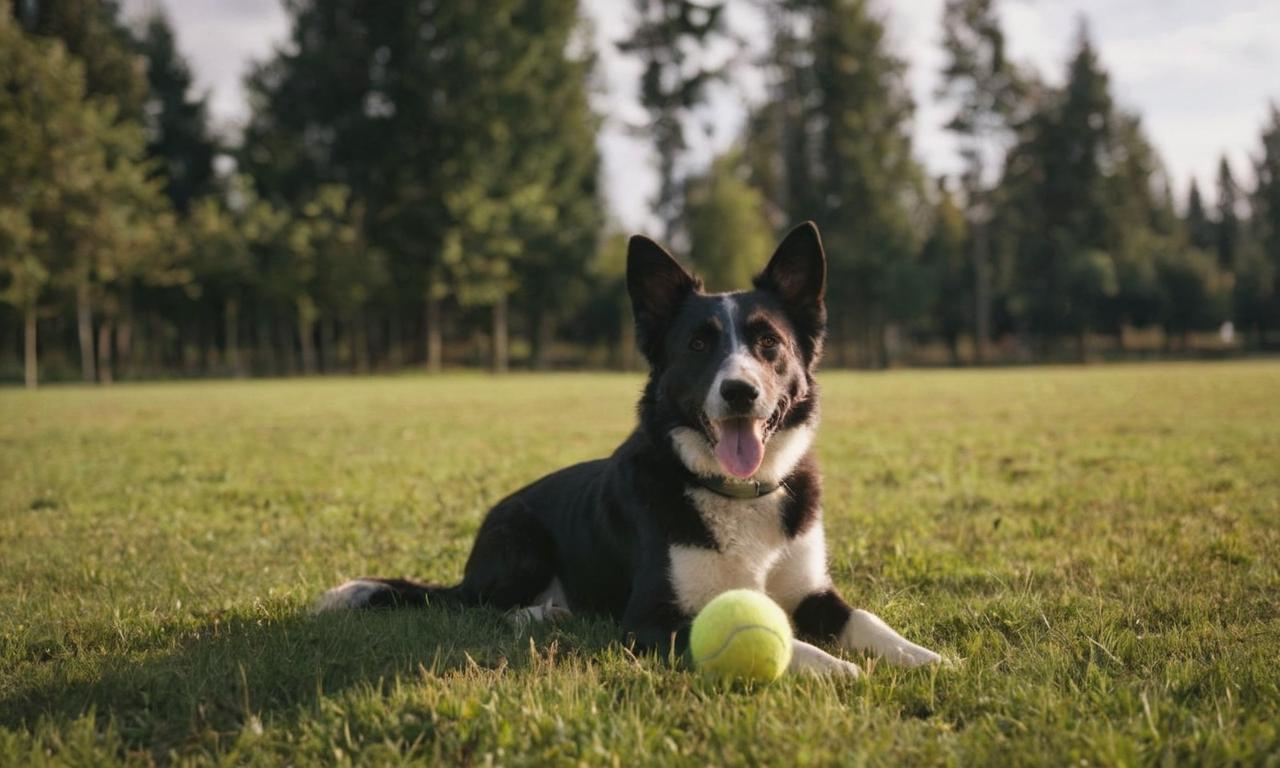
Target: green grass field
pixel 1095 550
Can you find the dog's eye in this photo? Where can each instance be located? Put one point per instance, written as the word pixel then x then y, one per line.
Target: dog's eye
pixel 768 341
pixel 698 344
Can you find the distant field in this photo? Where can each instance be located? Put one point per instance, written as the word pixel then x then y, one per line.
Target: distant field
pixel 1096 551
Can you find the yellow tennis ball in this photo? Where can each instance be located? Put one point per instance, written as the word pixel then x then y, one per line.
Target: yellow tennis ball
pixel 741 635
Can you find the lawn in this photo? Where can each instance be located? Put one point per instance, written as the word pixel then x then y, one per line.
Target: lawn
pixel 1094 550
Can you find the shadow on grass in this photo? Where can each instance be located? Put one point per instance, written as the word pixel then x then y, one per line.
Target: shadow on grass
pixel 220 673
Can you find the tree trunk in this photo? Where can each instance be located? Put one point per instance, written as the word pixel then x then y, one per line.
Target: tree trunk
pixel 104 351
pixel 433 331
pixel 328 344
pixel 359 328
pixel 84 329
pixel 500 350
pixel 544 328
pixel 981 293
pixel 953 349
pixel 306 335
pixel 231 316
pixel 29 354
pixel 124 345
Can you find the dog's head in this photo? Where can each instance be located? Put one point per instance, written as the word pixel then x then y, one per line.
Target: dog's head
pixel 731 374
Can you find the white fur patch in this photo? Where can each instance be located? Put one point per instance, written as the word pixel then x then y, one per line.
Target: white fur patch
pixel 813 660
pixel 750 536
pixel 740 365
pixel 801 570
pixel 350 594
pixel 865 631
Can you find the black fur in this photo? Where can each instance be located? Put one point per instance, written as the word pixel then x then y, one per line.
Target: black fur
pixel 605 528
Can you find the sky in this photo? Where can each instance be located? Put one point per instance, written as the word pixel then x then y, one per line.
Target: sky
pixel 1200 73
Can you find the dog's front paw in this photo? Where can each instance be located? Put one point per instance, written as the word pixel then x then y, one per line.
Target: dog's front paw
pixel 812 660
pixel 908 654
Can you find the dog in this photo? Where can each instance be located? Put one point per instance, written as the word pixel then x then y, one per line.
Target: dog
pixel 717 488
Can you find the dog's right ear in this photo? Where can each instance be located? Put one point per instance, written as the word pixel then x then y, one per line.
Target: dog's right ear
pixel 658 285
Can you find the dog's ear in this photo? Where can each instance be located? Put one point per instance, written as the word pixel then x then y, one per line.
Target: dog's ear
pixel 658 285
pixel 797 274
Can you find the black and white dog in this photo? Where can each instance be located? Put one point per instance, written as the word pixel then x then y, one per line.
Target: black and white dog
pixel 717 487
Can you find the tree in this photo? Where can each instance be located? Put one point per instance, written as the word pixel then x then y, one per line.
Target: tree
pixel 987 90
pixel 944 256
pixel 1258 264
pixel 667 39
pixel 463 131
pixel 177 123
pixel 80 211
pixel 729 237
pixel 843 136
pixel 92 32
pixel 1199 226
pixel 1228 216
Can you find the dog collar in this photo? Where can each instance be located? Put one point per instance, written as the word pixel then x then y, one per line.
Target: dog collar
pixel 742 489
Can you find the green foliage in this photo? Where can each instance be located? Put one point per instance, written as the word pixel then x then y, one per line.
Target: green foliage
pixel 92 32
pixel 844 143
pixel 944 258
pixel 668 33
pixel 1259 268
pixel 729 237
pixel 177 122
pixel 1091 549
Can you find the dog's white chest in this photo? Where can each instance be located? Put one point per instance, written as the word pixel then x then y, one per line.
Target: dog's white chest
pixel 750 539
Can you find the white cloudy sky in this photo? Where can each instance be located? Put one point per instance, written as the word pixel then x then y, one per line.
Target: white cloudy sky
pixel 1200 72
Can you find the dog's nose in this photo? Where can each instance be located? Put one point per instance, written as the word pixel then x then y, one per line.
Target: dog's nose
pixel 739 394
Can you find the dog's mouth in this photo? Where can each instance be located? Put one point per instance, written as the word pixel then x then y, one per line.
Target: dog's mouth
pixel 738 441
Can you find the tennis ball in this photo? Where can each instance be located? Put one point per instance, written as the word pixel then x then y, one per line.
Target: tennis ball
pixel 741 635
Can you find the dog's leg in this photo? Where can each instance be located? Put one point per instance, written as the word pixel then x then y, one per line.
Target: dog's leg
pixel 813 660
pixel 551 605
pixel 825 615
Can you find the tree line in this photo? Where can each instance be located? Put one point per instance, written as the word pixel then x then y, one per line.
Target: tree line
pixel 418 185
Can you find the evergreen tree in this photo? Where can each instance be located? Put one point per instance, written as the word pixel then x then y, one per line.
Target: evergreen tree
pixel 177 121
pixel 1227 221
pixel 987 90
pixel 950 271
pixel 462 131
pixel 1258 266
pixel 92 31
pixel 845 148
pixel 672 84
pixel 1199 227
pixel 76 203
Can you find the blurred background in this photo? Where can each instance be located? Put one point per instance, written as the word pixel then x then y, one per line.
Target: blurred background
pixel 241 187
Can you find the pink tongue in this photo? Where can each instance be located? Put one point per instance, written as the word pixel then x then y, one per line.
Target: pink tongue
pixel 740 449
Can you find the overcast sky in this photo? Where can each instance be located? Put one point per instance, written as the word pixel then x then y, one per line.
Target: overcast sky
pixel 1200 73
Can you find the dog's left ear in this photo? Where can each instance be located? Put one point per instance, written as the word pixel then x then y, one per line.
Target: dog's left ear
pixel 797 274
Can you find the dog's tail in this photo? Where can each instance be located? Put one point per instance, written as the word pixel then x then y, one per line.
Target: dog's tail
pixel 389 593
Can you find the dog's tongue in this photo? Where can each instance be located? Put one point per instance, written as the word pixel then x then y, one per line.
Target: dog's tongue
pixel 741 447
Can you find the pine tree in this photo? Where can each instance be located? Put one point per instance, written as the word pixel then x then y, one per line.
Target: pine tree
pixel 1227 221
pixel 91 30
pixel 671 85
pixel 987 90
pixel 177 121
pixel 1199 227
pixel 78 208
pixel 1258 267
pixel 843 136
pixel 950 272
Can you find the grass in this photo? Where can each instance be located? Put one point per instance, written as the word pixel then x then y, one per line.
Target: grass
pixel 1093 549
